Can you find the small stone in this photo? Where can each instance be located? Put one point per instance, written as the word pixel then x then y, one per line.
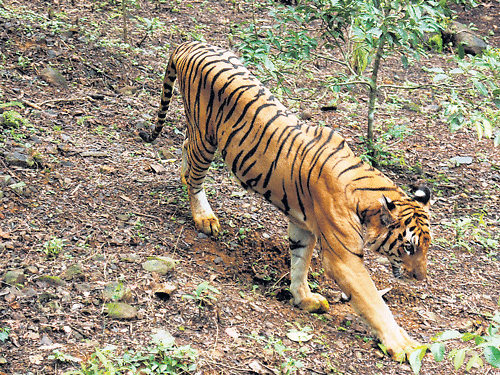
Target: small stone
pixel 164 291
pixel 54 77
pixel 14 277
pixel 119 310
pixel 160 265
pixel 131 258
pixel 51 280
pixel 72 272
pixel 116 291
pixel 6 180
pixel 46 296
pixel 458 160
pixel 19 159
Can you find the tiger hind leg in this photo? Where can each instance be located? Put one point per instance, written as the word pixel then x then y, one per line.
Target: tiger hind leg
pixel 302 244
pixel 193 175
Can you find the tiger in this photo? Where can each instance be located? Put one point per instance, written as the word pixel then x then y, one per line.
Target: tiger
pixel 327 194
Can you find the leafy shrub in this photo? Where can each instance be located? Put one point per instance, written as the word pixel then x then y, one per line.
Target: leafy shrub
pixel 485 346
pixel 163 357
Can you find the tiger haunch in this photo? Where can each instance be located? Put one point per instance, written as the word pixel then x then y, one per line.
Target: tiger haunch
pixel 328 194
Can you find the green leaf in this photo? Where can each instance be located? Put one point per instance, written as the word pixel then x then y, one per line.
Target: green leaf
pixel 404 61
pixel 480 87
pixel 440 77
pixel 449 335
pixel 475 360
pixel 461 51
pixel 416 357
pixel 459 359
pixel 437 350
pixel 492 356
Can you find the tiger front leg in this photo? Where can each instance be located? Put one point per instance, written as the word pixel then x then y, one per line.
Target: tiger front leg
pixel 301 248
pixel 354 280
pixel 203 216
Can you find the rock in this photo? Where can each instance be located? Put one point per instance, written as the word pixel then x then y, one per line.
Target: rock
pixel 116 291
pixel 47 296
pixel 14 277
pixel 119 310
pixel 19 159
pixel 54 77
pixel 94 154
pixel 458 160
pixel 21 189
pixel 51 280
pixel 164 291
pixel 6 180
pixel 161 265
pixel 72 272
pixel 461 34
pixel 131 258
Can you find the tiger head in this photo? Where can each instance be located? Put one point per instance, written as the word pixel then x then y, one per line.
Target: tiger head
pixel 404 233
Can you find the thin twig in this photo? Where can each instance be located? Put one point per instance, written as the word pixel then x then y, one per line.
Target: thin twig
pixel 149 216
pixel 32 105
pixel 178 239
pixel 66 100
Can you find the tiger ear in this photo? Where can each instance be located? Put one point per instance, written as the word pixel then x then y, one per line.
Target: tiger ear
pixel 388 211
pixel 423 195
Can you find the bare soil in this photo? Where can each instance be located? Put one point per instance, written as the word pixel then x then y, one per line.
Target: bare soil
pixel 116 201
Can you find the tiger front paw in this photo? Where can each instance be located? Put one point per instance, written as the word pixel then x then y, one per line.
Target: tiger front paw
pixel 315 303
pixel 399 344
pixel 208 225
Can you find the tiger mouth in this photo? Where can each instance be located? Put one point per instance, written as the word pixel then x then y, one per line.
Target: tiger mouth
pixel 396 271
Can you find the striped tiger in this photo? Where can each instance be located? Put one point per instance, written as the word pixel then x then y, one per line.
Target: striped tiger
pixel 328 194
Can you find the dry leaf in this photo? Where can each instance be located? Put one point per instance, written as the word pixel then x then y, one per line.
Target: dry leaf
pixel 258 368
pixel 232 332
pixel 3 234
pixel 157 168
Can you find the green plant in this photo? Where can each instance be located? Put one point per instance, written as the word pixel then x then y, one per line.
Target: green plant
pixel 53 247
pixel 363 32
pixel 473 230
pixel 162 357
pixel 203 295
pixel 81 120
pixel 487 346
pixel 4 334
pixel 475 101
pixel 149 26
pixel 62 357
pixel 288 365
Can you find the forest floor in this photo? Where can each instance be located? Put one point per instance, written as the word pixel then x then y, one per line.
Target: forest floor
pixel 98 203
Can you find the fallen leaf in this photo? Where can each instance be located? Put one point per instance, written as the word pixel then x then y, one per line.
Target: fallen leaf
pixel 258 368
pixel 157 168
pixel 4 235
pixel 299 336
pixel 36 359
pixel 232 332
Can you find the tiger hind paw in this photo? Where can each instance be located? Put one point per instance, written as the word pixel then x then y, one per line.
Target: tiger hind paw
pixel 315 303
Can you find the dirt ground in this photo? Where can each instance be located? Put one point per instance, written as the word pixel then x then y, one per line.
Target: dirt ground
pixel 116 202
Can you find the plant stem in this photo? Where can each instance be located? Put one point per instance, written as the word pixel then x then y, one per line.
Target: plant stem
pixel 373 97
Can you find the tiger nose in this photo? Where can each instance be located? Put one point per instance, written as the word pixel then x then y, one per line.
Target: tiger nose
pixel 420 274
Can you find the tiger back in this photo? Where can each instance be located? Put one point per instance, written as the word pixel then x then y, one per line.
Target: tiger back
pixel 308 172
